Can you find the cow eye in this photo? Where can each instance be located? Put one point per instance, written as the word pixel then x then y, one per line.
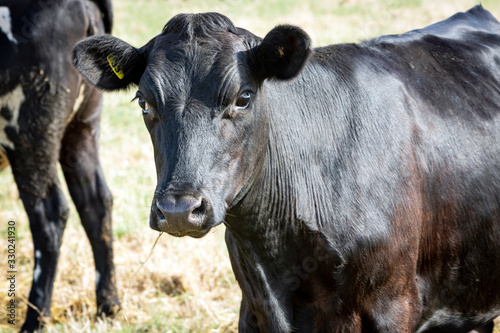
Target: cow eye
pixel 144 105
pixel 243 100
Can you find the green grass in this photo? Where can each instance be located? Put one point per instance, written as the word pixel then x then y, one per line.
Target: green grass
pixel 187 284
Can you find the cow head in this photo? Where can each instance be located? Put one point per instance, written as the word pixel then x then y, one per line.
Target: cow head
pixel 200 88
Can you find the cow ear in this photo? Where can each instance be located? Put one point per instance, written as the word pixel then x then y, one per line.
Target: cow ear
pixel 283 53
pixel 108 62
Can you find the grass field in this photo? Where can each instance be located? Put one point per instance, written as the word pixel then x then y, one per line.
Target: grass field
pixel 186 285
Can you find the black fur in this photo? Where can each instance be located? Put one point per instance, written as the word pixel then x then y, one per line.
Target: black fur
pixel 359 185
pixel 106 9
pixel 198 25
pixel 38 67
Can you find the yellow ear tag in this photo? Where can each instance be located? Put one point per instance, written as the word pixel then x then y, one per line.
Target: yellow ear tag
pixel 115 66
pixel 281 52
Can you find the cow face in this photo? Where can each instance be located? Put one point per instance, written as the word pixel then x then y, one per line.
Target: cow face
pixel 200 88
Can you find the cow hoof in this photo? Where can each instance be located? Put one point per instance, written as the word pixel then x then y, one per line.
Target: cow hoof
pixel 109 309
pixel 36 325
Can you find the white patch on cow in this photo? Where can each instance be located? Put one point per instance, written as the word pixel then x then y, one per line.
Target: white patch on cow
pixel 78 103
pixel 97 278
pixel 38 267
pixel 13 101
pixel 80 98
pixel 6 24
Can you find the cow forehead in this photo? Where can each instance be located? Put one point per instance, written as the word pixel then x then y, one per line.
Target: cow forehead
pixel 201 52
pixel 204 69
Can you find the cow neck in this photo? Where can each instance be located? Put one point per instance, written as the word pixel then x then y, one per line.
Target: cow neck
pixel 286 199
pixel 261 210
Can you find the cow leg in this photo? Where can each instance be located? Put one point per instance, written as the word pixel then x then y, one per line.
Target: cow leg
pixel 82 170
pixel 47 211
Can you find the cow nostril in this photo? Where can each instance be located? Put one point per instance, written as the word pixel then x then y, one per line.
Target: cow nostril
pixel 159 213
pixel 201 209
pixel 179 212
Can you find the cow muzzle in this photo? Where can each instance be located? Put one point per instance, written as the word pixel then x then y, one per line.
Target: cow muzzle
pixel 181 214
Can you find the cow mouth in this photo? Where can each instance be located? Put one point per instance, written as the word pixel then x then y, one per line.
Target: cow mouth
pixel 194 234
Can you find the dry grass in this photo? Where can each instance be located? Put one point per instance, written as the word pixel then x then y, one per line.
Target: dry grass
pixel 187 284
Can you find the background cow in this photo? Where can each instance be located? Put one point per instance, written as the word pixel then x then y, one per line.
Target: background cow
pixel 361 196
pixel 48 114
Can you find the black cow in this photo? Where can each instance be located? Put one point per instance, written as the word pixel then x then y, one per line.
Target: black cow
pixel 359 183
pixel 49 114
